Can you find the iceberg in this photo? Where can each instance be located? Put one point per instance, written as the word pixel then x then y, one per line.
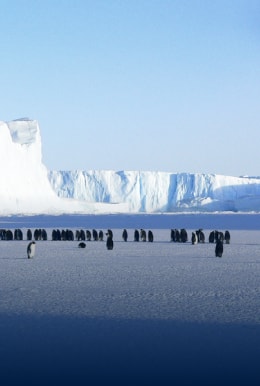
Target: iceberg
pixel 27 187
pixel 160 191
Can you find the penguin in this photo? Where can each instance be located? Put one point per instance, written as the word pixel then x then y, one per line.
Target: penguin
pixel 29 234
pixel 194 238
pixel 173 236
pixel 31 249
pixel 124 235
pixel 200 236
pixel 150 236
pixel 9 235
pixel 110 243
pixel 82 245
pixel 44 235
pixel 82 235
pixel 177 235
pixel 18 234
pixel 101 235
pixel 219 248
pixel 88 235
pixel 143 235
pixel 109 232
pixel 95 234
pixel 183 235
pixel 227 237
pixel 136 235
pixel 212 237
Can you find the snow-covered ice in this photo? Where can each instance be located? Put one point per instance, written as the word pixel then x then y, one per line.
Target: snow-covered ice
pixel 158 313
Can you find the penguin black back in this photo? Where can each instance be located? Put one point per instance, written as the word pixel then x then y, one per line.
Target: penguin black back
pixel 82 245
pixel 219 248
pixel 110 242
pixel 125 235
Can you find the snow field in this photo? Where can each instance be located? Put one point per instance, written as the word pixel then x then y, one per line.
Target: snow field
pixel 159 280
pixel 143 314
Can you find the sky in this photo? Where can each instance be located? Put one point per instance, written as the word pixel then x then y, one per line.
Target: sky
pixel 162 85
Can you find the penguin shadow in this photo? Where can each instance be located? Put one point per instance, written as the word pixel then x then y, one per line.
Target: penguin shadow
pixel 14 258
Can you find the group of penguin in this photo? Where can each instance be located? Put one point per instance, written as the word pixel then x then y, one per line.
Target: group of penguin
pixel 138 235
pixel 197 237
pixel 109 242
pixel 216 237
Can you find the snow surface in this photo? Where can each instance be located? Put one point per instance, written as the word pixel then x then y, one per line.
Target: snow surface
pixel 156 313
pixel 27 187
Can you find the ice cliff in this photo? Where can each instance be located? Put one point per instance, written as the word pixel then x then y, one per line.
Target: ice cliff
pixel 27 187
pixel 160 191
pixel 24 184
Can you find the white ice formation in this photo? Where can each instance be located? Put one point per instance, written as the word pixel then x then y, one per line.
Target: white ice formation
pixel 27 187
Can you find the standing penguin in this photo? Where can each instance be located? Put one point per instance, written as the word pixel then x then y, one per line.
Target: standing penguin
pixel 109 243
pixel 227 237
pixel 136 235
pixel 194 238
pixel 150 236
pixel 143 235
pixel 219 248
pixel 31 249
pixel 125 235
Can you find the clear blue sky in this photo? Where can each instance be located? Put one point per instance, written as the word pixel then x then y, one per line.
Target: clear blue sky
pixel 167 85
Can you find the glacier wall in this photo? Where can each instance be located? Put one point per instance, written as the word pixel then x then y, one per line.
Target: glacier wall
pixel 27 187
pixel 160 191
pixel 24 184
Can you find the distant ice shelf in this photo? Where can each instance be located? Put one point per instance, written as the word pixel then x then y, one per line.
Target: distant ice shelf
pixel 27 187
pixel 159 191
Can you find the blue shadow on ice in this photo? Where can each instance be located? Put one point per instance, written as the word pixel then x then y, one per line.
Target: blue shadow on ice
pixel 78 351
pixel 249 221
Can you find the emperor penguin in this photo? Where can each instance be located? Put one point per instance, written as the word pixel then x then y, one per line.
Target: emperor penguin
pixel 31 249
pixel 125 235
pixel 150 236
pixel 109 243
pixel 194 238
pixel 82 245
pixel 219 248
